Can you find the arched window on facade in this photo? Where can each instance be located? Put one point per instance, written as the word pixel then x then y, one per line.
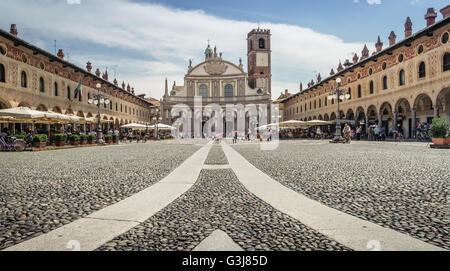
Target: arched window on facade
pixel 2 73
pixel 359 91
pixel 401 78
pixel 23 79
pixel 349 93
pixel 68 93
pixel 422 69
pixel 262 43
pixel 320 103
pixel 314 104
pixel 55 89
pixel 385 82
pixel 41 85
pixel 446 62
pixel 371 87
pixel 326 101
pixel 228 91
pixel 203 91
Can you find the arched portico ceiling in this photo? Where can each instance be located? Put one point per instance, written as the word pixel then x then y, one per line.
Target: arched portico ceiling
pixel 402 107
pixel 24 104
pixel 443 100
pixel 333 116
pixel 57 109
pixel 385 106
pixel 4 104
pixel 41 107
pixel 350 115
pixel 423 102
pixel 372 111
pixel 326 117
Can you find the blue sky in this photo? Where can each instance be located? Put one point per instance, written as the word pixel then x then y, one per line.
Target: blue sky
pixel 338 17
pixel 152 40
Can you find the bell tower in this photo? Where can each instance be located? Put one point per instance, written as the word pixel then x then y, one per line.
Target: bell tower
pixel 259 60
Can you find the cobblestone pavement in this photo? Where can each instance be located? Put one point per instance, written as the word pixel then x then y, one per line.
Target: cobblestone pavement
pixel 219 201
pixel 403 186
pixel 216 156
pixel 41 191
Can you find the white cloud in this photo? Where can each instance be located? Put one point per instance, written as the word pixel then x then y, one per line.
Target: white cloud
pixel 374 2
pixel 72 2
pixel 166 38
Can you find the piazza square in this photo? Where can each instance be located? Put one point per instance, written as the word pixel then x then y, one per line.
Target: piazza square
pixel 213 158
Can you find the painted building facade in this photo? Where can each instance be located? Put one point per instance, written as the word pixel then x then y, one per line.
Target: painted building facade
pixel 406 83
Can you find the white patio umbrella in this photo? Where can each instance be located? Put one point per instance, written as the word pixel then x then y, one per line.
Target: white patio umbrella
pixel 318 123
pixel 22 113
pixel 292 123
pixel 161 127
pixel 136 126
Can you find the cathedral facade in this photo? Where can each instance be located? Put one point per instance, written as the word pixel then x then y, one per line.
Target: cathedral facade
pixel 218 81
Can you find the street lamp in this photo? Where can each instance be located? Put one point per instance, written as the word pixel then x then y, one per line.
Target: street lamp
pixel 338 94
pixel 99 99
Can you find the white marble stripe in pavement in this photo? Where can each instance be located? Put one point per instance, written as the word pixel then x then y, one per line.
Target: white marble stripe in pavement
pixel 218 240
pixel 98 228
pixel 348 230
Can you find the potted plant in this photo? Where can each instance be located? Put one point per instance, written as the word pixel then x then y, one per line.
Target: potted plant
pixel 108 139
pixel 74 140
pixel 60 139
pixel 115 139
pixel 92 139
pixel 438 131
pixel 39 140
pixel 19 136
pixel 83 139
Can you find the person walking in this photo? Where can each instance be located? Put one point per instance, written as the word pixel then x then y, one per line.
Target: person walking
pixel 377 133
pixel 235 135
pixel 358 133
pixel 319 133
pixel 347 133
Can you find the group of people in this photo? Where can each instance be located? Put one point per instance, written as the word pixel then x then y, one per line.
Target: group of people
pixel 375 133
pixel 422 130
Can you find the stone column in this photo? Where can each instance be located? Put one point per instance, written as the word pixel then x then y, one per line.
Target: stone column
pixel 436 111
pixel 380 120
pixel 367 124
pixel 413 114
pixel 395 120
